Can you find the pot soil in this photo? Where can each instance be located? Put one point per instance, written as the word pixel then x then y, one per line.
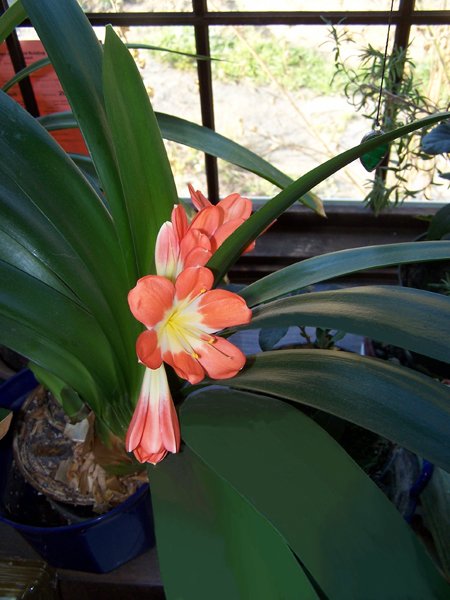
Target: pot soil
pixel 65 535
pixel 63 462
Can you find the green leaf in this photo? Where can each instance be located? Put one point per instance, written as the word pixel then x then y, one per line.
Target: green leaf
pixel 35 175
pixel 147 180
pixel 39 64
pixel 60 319
pixel 234 246
pixel 269 338
pixel 406 317
pixel 335 264
pixel 50 356
pixel 11 19
pixel 204 139
pixel 201 520
pixel 345 532
pixel 400 404
pixel 77 57
pixel 439 224
pixel 65 395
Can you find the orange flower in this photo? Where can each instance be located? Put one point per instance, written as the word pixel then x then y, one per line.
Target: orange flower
pixel 181 245
pixel 181 319
pixel 154 429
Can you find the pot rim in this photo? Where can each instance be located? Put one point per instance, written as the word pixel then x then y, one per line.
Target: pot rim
pixel 110 514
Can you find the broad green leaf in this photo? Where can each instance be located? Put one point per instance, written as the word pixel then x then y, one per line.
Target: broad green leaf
pixel 50 356
pixel 400 404
pixel 234 246
pixel 60 319
pixel 190 134
pixel 147 180
pixel 201 520
pixel 345 532
pixel 406 317
pixel 77 56
pixel 52 212
pixel 206 140
pixel 327 266
pixel 11 19
pixel 59 360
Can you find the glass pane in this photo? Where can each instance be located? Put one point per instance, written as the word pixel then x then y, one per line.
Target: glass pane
pixel 432 5
pixel 299 5
pixel 275 94
pixel 136 5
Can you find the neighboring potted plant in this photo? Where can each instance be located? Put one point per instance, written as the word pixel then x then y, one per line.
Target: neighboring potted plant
pixel 254 499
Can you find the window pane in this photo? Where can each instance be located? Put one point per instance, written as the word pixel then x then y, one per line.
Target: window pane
pixel 274 94
pixel 432 5
pixel 299 5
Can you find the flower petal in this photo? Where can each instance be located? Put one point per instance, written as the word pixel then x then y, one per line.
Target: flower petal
pixel 223 232
pixel 197 257
pixel 186 366
pixel 167 250
pixel 208 220
pixel 221 308
pixel 193 281
pixel 220 358
pixel 236 207
pixel 137 424
pixel 147 349
pixel 152 458
pixel 194 239
pixel 180 221
pixel 151 297
pixel 198 199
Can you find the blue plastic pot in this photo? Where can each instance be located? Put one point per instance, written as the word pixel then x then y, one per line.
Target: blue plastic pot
pixel 98 544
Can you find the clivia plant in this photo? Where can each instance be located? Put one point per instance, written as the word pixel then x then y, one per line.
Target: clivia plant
pixel 251 497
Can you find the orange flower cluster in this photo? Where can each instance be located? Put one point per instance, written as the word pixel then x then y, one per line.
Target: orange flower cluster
pixel 181 314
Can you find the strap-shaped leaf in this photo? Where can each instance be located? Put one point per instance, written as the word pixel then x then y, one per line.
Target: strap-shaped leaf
pixel 147 180
pixel 196 136
pixel 345 532
pixel 397 403
pixel 206 140
pixel 77 56
pixel 335 264
pixel 60 319
pixel 235 245
pixel 52 357
pixel 59 360
pixel 52 211
pixel 406 317
pixel 201 520
pixel 12 18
